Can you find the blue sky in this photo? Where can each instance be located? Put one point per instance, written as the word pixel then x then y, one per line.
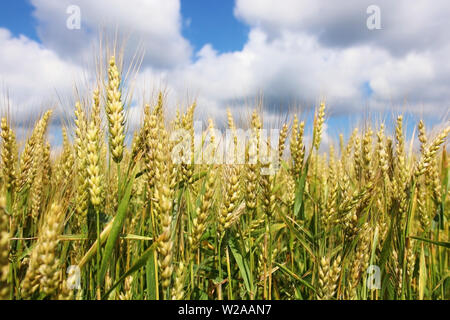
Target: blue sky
pixel 228 53
pixel 16 16
pixel 204 21
pixel 213 21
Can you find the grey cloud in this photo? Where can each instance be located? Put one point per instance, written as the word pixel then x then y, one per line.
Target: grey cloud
pixel 406 25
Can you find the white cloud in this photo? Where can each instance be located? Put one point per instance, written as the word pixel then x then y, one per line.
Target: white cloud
pixel 299 51
pixel 295 67
pixel 37 76
pixel 153 24
pixel 32 75
pixel 405 25
pixel 288 59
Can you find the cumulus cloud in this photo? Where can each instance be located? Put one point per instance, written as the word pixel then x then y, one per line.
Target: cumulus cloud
pixel 152 24
pixel 300 51
pixel 32 75
pixel 296 67
pixel 36 76
pixel 405 25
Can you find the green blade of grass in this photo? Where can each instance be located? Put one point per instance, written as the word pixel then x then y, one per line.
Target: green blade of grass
pixel 151 276
pixel 300 236
pixel 242 264
pixel 93 249
pixel 116 228
pixel 142 260
pixel 438 243
pixel 422 273
pixel 300 190
pixel 287 271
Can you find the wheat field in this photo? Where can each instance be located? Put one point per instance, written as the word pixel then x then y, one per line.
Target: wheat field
pixel 106 219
